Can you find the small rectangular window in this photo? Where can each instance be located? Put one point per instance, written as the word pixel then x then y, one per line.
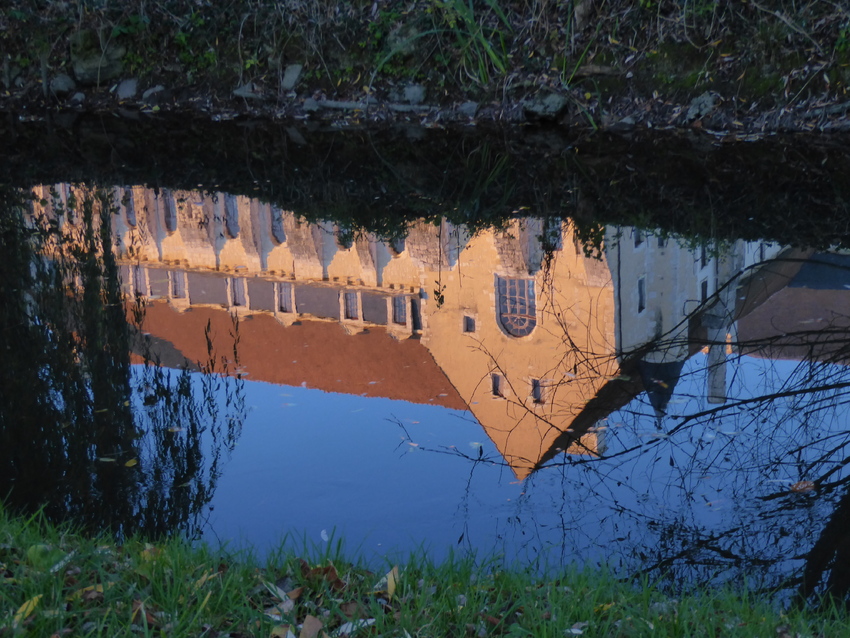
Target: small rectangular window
pixel 497 383
pixel 662 242
pixel 237 292
pixel 352 307
pixel 129 206
pixel 231 216
pixel 703 256
pixel 400 310
pixel 468 323
pixel 641 294
pixel 537 391
pixel 170 210
pixel 278 232
pixel 415 316
pixel 638 237
pixel 177 284
pixel 704 290
pixel 285 298
pixel 140 283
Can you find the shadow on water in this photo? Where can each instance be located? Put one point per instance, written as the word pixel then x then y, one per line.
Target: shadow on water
pixel 791 189
pixel 83 433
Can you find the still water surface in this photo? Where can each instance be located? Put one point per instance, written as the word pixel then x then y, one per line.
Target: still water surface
pixel 658 405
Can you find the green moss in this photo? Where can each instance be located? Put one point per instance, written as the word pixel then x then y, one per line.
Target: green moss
pixel 756 86
pixel 676 68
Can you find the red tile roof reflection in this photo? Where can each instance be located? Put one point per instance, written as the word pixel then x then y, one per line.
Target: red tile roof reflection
pixel 317 353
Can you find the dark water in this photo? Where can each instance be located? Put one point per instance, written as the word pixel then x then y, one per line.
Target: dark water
pixel 189 361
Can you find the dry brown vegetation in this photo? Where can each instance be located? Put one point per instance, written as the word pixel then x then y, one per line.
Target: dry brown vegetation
pixel 597 53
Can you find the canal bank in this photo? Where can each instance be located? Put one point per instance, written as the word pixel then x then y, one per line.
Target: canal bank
pixel 59 582
pixel 737 70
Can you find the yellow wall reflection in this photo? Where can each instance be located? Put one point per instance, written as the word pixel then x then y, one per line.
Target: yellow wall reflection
pixel 523 344
pixel 515 324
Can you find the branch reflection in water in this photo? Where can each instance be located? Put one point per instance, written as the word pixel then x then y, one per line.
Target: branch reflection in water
pixel 715 450
pixel 728 462
pixel 669 407
pixel 84 433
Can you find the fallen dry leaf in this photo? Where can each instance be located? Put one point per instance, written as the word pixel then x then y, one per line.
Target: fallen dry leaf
pixel 26 609
pixel 203 579
pixel 143 615
pixel 150 552
pixel 276 591
pixel 86 592
pixel 295 594
pixel 279 611
pixel 311 627
pixel 348 629
pixel 352 609
pixel 328 573
pixel 392 580
pixel 491 619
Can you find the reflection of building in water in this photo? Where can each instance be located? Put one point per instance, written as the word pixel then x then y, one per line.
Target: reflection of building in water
pixel 524 347
pixel 804 310
pixel 527 347
pixel 667 293
pixel 440 317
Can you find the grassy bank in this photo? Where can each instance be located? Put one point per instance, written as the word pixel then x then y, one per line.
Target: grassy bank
pixel 593 53
pixel 57 583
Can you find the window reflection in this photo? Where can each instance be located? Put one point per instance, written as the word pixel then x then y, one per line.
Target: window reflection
pixel 517 305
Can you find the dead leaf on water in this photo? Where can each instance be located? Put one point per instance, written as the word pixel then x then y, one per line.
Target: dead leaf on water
pixel 131 463
pixel 801 487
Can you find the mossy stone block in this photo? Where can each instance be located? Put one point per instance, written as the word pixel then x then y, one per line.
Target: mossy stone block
pixel 95 58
